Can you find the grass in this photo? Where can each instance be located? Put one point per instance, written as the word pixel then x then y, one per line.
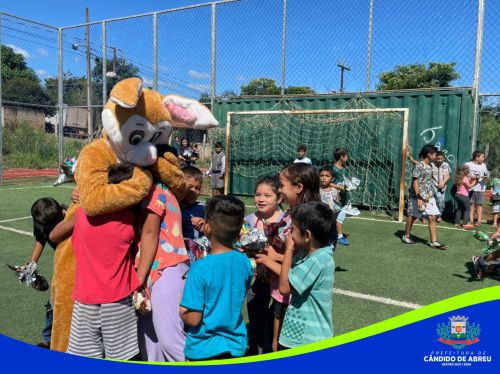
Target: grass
pixel 375 263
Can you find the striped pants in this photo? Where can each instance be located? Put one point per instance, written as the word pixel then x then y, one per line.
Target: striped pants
pixel 104 330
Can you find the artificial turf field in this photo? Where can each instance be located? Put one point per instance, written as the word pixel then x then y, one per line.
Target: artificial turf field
pixel 377 277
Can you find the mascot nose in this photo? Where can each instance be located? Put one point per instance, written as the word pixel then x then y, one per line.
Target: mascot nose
pixel 143 154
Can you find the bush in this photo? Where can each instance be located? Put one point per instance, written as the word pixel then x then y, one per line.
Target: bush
pixel 27 147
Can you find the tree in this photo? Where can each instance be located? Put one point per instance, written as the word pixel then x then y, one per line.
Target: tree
pixel 489 136
pixel 261 86
pixel 437 74
pixel 14 65
pixel 267 86
pixel 20 82
pixel 123 70
pixel 74 90
pixel 296 90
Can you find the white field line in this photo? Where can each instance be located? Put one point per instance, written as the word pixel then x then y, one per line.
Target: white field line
pixel 32 187
pixel 377 299
pixel 415 224
pixel 15 219
pixel 16 231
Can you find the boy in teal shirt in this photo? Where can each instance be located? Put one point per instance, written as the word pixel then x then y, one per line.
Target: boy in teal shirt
pixel 216 287
pixel 310 278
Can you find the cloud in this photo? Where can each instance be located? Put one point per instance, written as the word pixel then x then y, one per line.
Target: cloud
pixel 199 87
pixel 41 73
pixel 198 75
pixel 20 51
pixel 240 78
pixel 42 52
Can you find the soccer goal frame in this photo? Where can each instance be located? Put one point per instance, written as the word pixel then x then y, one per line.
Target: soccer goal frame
pixel 404 140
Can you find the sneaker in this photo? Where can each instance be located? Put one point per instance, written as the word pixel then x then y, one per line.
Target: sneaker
pixel 439 245
pixel 407 240
pixel 477 267
pixel 43 345
pixel 468 226
pixel 343 241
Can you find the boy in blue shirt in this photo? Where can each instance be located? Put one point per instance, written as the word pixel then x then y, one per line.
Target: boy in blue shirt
pixel 216 287
pixel 192 211
pixel 308 277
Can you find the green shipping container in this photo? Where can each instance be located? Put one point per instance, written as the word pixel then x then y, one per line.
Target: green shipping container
pixel 443 117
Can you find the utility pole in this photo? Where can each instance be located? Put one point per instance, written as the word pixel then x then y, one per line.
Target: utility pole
pixel 90 118
pixel 342 67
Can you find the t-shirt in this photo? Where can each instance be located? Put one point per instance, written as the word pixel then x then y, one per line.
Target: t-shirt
pixel 308 318
pixel 496 186
pixel 339 175
pixel 462 190
pixel 331 198
pixel 481 171
pixel 104 266
pixel 305 160
pixel 423 173
pixel 439 173
pixel 197 210
pixel 171 248
pixel 216 286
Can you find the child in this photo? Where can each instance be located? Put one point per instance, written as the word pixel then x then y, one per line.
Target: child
pixel 341 156
pixel 478 168
pixel 309 279
pixel 104 322
pixel 46 213
pixel 302 155
pixel 422 200
pixel 216 286
pixel 481 266
pixel 495 199
pixel 217 170
pixel 330 195
pixel 299 184
pixel 463 184
pixel 162 261
pixel 192 211
pixel 187 156
pixel 267 199
pixel 441 174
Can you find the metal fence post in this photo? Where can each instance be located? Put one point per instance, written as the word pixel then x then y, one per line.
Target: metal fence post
pixel 104 66
pixel 283 50
pixel 369 50
pixel 477 70
pixel 1 109
pixel 60 98
pixel 213 50
pixel 155 51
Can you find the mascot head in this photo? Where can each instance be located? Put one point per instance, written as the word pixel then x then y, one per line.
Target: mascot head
pixel 136 119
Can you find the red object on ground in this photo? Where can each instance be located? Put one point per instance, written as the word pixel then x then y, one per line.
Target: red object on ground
pixel 29 173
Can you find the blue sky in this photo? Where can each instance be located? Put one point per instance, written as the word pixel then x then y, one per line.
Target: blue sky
pixel 320 34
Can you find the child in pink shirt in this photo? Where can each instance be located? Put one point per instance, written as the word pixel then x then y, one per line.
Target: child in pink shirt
pixel 463 183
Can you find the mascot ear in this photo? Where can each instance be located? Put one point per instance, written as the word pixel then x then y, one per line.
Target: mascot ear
pixel 189 113
pixel 127 92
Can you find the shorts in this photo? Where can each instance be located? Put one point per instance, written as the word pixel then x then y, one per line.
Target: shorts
pixel 341 216
pixel 431 208
pixel 477 197
pixel 496 207
pixel 104 330
pixel 279 309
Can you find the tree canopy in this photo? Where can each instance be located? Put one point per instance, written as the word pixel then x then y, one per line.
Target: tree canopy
pixel 436 74
pixel 267 86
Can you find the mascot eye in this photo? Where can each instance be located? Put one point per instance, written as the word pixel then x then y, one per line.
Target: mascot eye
pixel 135 137
pixel 155 137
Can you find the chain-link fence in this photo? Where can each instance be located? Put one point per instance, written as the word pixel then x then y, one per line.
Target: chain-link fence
pixel 55 80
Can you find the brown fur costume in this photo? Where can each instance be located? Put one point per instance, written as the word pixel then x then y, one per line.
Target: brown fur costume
pixel 134 121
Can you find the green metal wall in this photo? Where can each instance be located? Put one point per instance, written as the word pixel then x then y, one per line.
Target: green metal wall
pixel 443 117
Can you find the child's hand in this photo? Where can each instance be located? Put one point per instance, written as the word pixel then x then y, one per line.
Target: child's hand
pixel 273 255
pixel 261 258
pixel 289 244
pixel 441 185
pixel 197 223
pixel 75 196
